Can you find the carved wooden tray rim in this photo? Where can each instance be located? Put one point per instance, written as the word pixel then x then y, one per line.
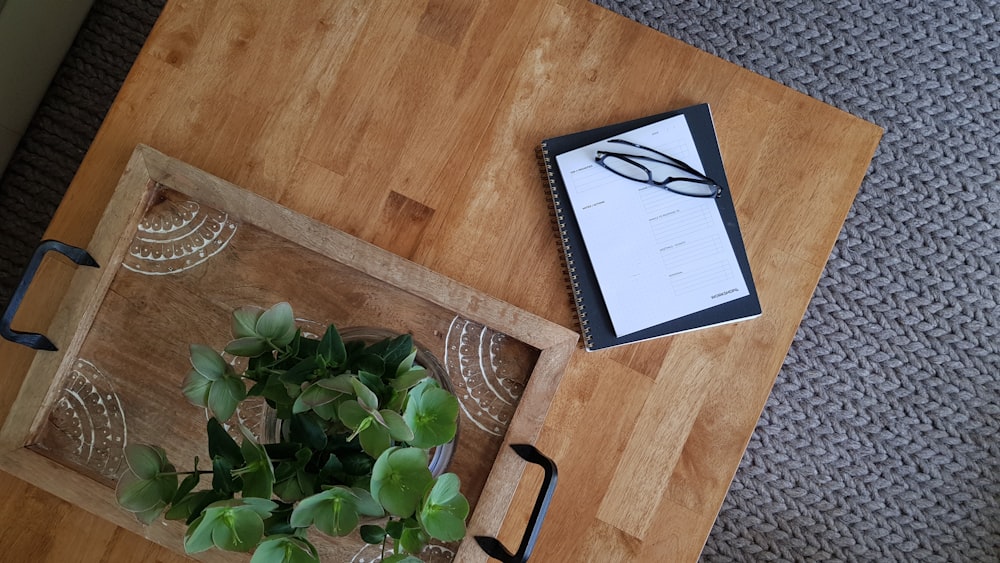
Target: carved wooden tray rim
pixel 148 168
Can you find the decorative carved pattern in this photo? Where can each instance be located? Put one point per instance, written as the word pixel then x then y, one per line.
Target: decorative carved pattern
pixel 89 418
pixel 474 359
pixel 430 554
pixel 175 236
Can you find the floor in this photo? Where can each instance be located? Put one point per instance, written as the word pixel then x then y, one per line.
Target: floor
pixel 34 38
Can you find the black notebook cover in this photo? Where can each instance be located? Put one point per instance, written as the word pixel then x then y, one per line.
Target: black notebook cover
pixel 595 322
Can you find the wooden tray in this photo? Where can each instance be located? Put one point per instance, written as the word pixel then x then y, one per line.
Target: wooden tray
pixel 180 249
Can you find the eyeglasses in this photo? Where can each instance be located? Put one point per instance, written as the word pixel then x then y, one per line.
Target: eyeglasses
pixel 655 171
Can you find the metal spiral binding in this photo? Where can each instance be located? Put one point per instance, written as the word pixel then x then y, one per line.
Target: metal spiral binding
pixel 559 223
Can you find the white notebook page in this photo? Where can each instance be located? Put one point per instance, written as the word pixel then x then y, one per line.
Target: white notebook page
pixel 658 256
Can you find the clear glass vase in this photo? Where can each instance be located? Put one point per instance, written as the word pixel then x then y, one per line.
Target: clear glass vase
pixel 440 457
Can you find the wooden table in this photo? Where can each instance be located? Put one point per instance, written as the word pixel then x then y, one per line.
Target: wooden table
pixel 413 125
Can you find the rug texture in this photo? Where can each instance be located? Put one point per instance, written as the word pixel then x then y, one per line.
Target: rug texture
pixel 881 440
pixel 64 124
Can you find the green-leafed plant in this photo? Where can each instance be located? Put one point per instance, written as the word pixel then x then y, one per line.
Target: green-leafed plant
pixel 357 423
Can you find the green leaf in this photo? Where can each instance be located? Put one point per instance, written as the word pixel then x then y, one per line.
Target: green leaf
pixel 248 347
pixel 366 503
pixel 332 466
pixel 222 445
pixel 277 324
pixel 145 461
pixel 395 351
pixel 301 372
pixel 432 414
pixel 409 378
pixel 397 426
pixel 234 525
pixel 148 516
pixel 196 388
pixel 261 363
pixel 291 350
pixel 186 486
pixel 285 549
pixel 149 484
pixel 308 347
pixel 275 391
pixel 444 509
pixel 278 524
pixel 222 477
pixel 401 558
pixel 327 411
pixel 241 530
pixel 446 487
pixel 287 468
pixel 394 528
pixel 208 500
pixel 399 478
pixel 373 382
pixel 352 414
pixel 245 321
pixel 331 347
pixel 306 430
pixel 407 363
pixel 198 537
pixel 208 362
pixel 136 494
pixel 305 511
pixel 238 530
pixel 413 540
pixel 366 396
pixel 339 519
pixel 357 463
pixel 261 506
pixel 296 487
pixel 333 511
pixel 340 384
pixel 258 473
pixel 225 396
pixel 397 401
pixel 375 439
pixel 414 393
pixel 372 534
pixel 192 504
pixel 167 483
pixel 370 363
pixel 313 396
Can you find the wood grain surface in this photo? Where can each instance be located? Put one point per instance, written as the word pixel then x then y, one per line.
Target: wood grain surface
pixel 181 249
pixel 413 125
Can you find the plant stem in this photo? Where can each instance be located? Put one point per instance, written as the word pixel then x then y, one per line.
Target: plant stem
pixel 198 472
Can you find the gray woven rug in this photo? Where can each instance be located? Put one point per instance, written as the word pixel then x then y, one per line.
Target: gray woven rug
pixel 881 441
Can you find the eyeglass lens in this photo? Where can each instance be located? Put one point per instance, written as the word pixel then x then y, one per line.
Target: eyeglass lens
pixel 659 173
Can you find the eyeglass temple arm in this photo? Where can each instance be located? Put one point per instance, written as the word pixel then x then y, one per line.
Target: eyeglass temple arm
pixel 674 161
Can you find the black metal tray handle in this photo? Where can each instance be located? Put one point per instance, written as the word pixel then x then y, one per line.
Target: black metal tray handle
pixel 492 546
pixel 31 339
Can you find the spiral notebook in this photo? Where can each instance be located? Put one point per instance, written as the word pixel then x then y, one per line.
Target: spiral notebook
pixel 644 262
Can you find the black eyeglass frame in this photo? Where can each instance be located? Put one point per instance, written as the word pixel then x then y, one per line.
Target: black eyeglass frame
pixel 699 178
